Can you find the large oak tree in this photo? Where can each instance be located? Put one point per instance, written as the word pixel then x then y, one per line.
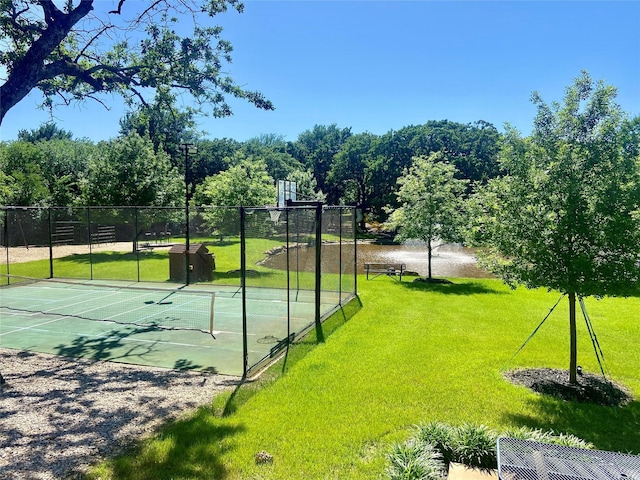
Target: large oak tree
pixel 75 50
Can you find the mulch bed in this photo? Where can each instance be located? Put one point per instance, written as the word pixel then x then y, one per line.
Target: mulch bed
pixel 589 388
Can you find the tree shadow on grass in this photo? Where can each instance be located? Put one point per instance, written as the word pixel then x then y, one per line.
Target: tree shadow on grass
pixel 190 448
pixel 219 243
pixel 462 288
pixel 608 428
pixel 108 257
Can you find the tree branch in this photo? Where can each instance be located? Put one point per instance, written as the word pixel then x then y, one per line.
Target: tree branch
pixel 64 59
pixel 51 12
pixel 91 40
pixel 13 18
pixel 27 72
pixel 118 11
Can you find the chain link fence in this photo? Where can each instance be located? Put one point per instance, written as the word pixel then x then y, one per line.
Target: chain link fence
pixel 288 268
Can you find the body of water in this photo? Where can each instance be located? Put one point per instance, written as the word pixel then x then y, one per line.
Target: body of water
pixel 447 260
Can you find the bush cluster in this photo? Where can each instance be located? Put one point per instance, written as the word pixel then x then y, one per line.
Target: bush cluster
pixel 435 445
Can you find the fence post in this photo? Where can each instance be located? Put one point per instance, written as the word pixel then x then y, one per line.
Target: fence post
pixel 243 286
pixel 136 246
pixel 286 212
pixel 90 243
pixel 187 275
pixel 6 242
pixel 50 244
pixel 319 269
pixel 340 211
pixel 355 251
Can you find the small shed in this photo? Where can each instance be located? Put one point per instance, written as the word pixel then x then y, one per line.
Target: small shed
pixel 201 263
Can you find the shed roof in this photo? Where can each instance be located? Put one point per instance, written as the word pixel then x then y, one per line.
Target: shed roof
pixel 193 248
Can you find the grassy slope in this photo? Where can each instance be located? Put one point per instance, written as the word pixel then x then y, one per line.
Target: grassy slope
pixel 413 353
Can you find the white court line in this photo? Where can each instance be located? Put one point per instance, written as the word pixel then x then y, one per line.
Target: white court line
pixel 19 329
pixel 140 340
pixel 102 307
pixel 84 292
pixel 67 305
pixel 74 318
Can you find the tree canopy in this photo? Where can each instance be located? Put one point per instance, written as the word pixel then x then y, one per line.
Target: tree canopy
pixel 84 50
pixel 352 168
pixel 362 168
pixel 166 125
pixel 316 148
pixel 247 183
pixel 431 203
pixel 46 131
pixel 129 172
pixel 22 182
pixel 566 215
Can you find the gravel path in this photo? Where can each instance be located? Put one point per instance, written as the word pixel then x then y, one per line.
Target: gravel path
pixel 22 254
pixel 58 415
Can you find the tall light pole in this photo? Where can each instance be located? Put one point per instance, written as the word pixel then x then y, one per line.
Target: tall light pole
pixel 188 148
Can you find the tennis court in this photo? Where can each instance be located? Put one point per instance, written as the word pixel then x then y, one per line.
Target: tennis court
pixel 171 288
pixel 150 324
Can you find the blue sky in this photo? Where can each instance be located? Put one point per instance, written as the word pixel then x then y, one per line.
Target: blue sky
pixel 380 65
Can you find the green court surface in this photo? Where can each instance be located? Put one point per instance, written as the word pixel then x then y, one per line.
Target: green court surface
pixel 187 328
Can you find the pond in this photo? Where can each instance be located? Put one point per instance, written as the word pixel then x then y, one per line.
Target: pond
pixel 447 261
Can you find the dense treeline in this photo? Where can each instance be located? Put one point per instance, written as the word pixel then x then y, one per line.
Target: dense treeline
pixel 145 164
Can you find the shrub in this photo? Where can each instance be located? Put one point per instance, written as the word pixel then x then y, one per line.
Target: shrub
pixel 415 460
pixel 428 454
pixel 441 436
pixel 475 446
pixel 536 435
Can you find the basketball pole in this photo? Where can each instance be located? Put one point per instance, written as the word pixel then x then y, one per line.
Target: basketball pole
pixel 188 147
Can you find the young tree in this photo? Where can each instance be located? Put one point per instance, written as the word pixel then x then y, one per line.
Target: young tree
pixel 431 203
pixel 566 216
pixel 245 184
pixel 87 48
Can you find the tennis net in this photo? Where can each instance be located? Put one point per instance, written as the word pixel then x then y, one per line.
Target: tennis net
pixel 161 308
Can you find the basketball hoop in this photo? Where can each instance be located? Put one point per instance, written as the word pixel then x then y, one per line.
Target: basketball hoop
pixel 275 215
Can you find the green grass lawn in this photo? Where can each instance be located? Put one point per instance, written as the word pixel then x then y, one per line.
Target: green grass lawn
pixel 412 353
pixel 153 265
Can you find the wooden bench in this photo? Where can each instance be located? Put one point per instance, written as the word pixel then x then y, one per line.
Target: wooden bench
pixel 105 234
pixel 64 234
pixel 392 270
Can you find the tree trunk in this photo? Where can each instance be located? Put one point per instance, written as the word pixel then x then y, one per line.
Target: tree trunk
pixel 573 340
pixel 32 68
pixel 429 257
